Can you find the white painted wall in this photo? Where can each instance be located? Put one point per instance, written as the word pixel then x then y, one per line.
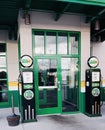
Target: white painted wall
pixel 12 60
pixel 99 52
pixel 26 40
pixel 85 52
pixel 42 20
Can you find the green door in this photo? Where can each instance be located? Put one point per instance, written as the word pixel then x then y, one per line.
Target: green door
pixel 48 86
pixel 57 71
pixel 56 81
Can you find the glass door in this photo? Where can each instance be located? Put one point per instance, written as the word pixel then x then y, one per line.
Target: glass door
pixel 70 84
pixel 48 86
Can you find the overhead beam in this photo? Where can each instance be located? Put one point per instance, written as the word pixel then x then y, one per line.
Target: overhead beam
pixel 59 14
pixel 28 4
pixel 88 20
pixel 86 2
pixel 103 30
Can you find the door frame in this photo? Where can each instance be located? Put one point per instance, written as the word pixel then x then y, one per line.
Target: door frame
pixel 81 96
pixel 52 110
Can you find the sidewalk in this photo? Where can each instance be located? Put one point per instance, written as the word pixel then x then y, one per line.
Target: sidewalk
pixel 56 122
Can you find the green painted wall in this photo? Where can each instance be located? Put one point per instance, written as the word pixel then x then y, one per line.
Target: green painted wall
pixel 82 102
pixel 9 103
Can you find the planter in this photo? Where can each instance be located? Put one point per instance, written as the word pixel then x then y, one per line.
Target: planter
pixel 13 120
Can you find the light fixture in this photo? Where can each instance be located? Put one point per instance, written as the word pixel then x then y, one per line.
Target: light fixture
pixel 97 25
pixel 27 19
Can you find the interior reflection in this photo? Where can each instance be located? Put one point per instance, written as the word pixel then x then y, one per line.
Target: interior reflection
pixel 3 87
pixel 47 76
pixel 69 84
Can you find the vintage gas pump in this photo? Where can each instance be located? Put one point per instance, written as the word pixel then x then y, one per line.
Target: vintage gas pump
pixel 26 90
pixel 93 81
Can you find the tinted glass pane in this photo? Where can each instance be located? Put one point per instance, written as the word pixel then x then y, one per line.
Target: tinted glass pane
pixel 39 42
pixel 3 74
pixel 3 96
pixel 47 76
pixel 70 84
pixel 3 91
pixel 74 40
pixel 50 43
pixel 3 85
pixel 2 61
pixel 2 47
pixel 62 43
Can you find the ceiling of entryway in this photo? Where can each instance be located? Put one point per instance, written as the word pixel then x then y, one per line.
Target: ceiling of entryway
pixel 93 10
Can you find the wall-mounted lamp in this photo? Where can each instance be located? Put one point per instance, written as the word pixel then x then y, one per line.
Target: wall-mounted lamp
pixel 97 25
pixel 27 19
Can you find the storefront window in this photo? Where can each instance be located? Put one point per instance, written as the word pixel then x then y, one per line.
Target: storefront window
pixel 2 49
pixel 74 44
pixel 62 43
pixel 2 61
pixel 39 42
pixel 3 74
pixel 58 42
pixel 50 43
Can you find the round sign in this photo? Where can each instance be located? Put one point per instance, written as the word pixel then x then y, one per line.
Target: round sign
pixel 93 62
pixel 26 61
pixel 28 94
pixel 95 92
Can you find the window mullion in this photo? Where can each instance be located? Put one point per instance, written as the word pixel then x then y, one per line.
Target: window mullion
pixel 44 42
pixel 57 43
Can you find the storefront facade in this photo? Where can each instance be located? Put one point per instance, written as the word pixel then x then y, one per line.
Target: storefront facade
pixel 54 78
pixel 56 50
pixel 60 50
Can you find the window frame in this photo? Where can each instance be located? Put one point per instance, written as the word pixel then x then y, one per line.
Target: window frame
pixel 69 34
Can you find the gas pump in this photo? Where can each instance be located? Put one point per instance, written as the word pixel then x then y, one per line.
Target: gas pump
pixel 26 90
pixel 93 81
